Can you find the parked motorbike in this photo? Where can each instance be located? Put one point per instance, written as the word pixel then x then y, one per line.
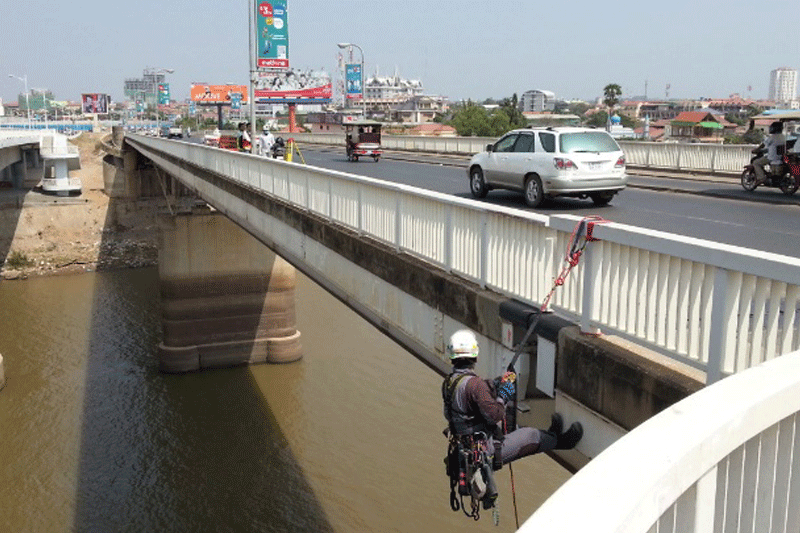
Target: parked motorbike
pixel 785 176
pixel 278 148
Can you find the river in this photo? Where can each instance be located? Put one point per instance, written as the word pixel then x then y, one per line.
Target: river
pixel 94 438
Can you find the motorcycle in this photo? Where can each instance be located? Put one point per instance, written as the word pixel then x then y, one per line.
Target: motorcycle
pixel 278 149
pixel 785 176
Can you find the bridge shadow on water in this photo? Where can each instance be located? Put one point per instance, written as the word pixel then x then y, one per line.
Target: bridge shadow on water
pixel 158 452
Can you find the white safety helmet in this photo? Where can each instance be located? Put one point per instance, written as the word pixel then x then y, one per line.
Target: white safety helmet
pixel 463 343
pixel 265 129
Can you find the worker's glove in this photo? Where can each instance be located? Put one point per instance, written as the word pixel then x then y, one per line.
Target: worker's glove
pixel 506 391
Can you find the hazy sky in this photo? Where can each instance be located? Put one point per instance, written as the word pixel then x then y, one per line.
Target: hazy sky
pixel 458 48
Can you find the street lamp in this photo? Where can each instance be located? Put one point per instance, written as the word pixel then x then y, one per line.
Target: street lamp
pixel 24 79
pixel 363 87
pixel 156 72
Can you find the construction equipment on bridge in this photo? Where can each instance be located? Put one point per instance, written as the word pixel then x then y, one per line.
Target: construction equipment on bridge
pixel 291 147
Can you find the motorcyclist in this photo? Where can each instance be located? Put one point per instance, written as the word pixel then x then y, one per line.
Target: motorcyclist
pixel 773 149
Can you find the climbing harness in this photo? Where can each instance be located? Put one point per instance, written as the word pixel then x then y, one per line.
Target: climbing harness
pixel 470 467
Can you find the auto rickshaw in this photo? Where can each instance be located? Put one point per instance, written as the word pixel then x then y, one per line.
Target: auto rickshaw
pixel 363 139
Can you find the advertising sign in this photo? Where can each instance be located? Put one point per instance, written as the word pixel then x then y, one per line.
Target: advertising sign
pixel 294 87
pixel 272 35
pixel 94 103
pixel 236 100
pixel 216 94
pixel 353 81
pixel 163 94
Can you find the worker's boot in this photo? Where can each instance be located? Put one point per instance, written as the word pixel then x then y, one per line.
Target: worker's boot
pixel 556 424
pixel 570 438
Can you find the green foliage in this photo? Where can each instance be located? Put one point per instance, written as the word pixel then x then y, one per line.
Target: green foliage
pixel 18 260
pixel 611 94
pixel 598 120
pixel 749 137
pixel 736 119
pixel 470 119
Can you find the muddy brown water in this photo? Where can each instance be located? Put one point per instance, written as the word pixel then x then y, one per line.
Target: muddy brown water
pixel 94 438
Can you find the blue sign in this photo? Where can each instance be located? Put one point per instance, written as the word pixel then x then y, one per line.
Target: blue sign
pixel 236 100
pixel 353 89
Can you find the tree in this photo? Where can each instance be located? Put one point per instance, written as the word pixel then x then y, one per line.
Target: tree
pixel 598 120
pixel 611 94
pixel 510 106
pixel 471 120
pixel 579 108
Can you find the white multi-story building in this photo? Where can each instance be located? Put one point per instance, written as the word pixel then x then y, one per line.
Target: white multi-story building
pixel 391 89
pixel 537 100
pixel 783 85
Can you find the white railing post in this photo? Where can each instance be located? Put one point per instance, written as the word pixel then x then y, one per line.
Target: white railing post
pixel 330 199
pixel 714 159
pixel 591 284
pixel 448 241
pixel 359 207
pixel 721 309
pixel 398 223
pixel 484 259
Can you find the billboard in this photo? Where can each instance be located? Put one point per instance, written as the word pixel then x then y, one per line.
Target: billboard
pixel 217 94
pixel 294 87
pixel 272 35
pixel 94 103
pixel 352 79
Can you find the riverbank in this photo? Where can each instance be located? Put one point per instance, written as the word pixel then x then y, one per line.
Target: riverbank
pixel 47 235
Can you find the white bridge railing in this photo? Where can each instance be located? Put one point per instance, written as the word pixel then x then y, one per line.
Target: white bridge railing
pixel 725 459
pixel 664 156
pixel 719 308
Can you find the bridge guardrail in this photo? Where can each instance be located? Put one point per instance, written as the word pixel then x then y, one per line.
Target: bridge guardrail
pixel 726 458
pixel 712 158
pixel 717 307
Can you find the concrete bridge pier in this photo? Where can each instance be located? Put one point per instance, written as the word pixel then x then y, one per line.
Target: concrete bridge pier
pixel 226 298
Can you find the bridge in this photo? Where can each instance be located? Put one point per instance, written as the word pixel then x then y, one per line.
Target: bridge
pixel 677 314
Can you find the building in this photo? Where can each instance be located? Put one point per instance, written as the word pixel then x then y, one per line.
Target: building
pixel 537 100
pixel 783 85
pixel 702 126
pixel 144 89
pixel 418 109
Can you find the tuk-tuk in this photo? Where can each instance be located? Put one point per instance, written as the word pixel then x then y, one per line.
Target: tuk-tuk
pixel 363 139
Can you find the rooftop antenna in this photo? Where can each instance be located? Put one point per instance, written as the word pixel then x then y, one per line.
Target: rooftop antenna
pixel 645 90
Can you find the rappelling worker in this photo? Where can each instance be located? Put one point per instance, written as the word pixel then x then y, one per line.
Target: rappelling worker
pixel 475 412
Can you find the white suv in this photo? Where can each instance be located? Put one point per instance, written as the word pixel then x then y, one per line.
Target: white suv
pixel 547 162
